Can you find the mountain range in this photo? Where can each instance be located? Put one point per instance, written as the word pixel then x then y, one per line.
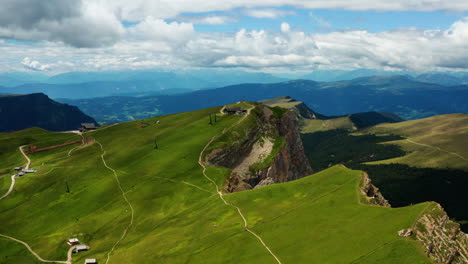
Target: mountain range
pixel 401 95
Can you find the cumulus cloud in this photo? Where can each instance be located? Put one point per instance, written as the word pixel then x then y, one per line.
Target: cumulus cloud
pixel 159 30
pixel 96 23
pixel 158 43
pixel 74 22
pixel 136 9
pixel 34 65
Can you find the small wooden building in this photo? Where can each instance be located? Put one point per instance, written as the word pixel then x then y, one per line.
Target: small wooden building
pixel 73 241
pixel 234 110
pixel 17 168
pixel 90 261
pixel 87 127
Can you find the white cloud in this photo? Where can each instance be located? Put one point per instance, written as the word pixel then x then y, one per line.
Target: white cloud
pixel 34 65
pixel 96 23
pixel 285 27
pixel 268 13
pixel 157 43
pixel 159 30
pixel 135 10
pixel 208 20
pixel 74 22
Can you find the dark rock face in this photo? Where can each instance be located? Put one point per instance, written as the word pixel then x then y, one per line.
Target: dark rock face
pixel 290 163
pixel 37 110
pixel 372 193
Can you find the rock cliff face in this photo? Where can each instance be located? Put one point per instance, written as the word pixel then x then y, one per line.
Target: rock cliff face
pixel 290 163
pixel 372 193
pixel 442 238
pixel 270 151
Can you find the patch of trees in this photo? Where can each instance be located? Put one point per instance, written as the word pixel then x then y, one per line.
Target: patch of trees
pixel 327 148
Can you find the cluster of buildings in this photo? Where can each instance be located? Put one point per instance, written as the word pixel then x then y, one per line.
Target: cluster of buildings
pixel 75 242
pixel 22 172
pixel 234 111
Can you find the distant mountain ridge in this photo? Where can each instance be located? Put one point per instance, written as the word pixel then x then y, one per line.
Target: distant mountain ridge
pixel 401 95
pixel 37 110
pixel 97 84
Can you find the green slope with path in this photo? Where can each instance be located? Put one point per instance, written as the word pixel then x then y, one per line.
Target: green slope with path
pixel 434 142
pixel 178 216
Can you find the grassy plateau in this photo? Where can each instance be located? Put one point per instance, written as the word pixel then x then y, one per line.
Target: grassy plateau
pixel 134 203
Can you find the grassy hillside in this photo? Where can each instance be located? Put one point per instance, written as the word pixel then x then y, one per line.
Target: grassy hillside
pixel 434 142
pixel 155 206
pixel 344 122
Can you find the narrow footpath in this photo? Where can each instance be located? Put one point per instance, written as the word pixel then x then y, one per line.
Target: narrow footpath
pixel 443 150
pixel 132 216
pixel 13 180
pixel 220 193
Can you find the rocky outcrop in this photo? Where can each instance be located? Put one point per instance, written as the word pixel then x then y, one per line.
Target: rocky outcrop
pixel 444 241
pixel 372 193
pixel 288 163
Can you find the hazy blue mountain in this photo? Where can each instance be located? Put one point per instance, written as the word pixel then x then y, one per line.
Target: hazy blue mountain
pixel 92 89
pixel 446 79
pixel 188 79
pixel 341 75
pixel 18 78
pixel 94 84
pixel 37 110
pixel 401 95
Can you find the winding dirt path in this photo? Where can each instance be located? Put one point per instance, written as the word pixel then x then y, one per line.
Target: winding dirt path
pixel 26 166
pixel 68 261
pixel 443 150
pixel 13 177
pixel 13 180
pixel 124 195
pixel 220 193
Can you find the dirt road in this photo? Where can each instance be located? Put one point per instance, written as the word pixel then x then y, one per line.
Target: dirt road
pixel 68 261
pixel 13 177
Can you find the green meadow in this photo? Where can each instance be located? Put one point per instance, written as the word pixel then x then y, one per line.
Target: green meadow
pixel 177 215
pixel 434 142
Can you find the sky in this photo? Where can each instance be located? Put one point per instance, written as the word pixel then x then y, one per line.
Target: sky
pixel 279 36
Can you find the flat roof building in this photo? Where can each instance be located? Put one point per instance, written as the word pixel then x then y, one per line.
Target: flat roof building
pixel 73 241
pixel 90 261
pixel 87 127
pixel 81 248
